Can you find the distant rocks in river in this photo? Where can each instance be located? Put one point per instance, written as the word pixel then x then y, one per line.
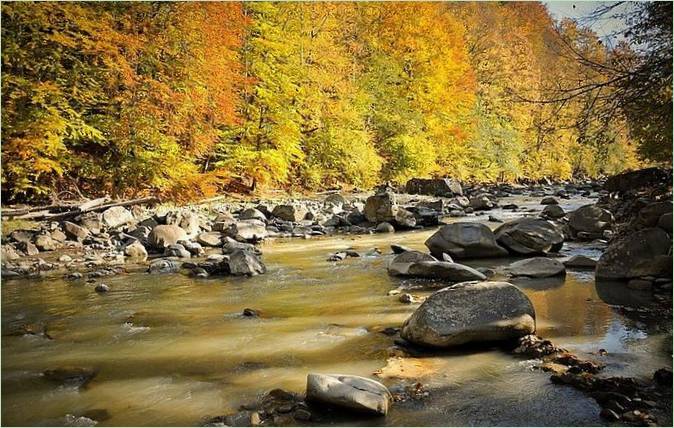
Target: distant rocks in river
pixel 529 236
pixel 590 221
pixel 471 312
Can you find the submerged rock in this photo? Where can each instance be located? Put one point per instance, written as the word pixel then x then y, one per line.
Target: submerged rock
pixel 465 240
pixel 453 272
pixel 537 267
pixel 349 392
pixel 401 263
pixel 580 261
pixel 471 312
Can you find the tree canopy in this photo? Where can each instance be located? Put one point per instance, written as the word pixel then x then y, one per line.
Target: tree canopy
pixel 186 99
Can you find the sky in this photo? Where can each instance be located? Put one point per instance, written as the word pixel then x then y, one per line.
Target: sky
pixel 577 10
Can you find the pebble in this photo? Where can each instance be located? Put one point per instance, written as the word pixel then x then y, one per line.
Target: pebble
pixel 102 288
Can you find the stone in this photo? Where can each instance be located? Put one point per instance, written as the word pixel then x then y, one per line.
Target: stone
pixel 252 313
pixel 28 248
pixel 406 298
pixel 9 253
pixel 230 245
pixel 553 212
pixel 177 250
pixel 136 250
pixel 549 200
pixel 404 219
pixel 45 243
pixel 91 221
pixel 402 262
pixel 58 236
pixel 77 376
pixel 210 239
pixel 651 213
pixel 633 180
pixel 580 261
pixel 453 272
pixel 349 392
pixel 194 248
pixel 537 267
pixel 464 240
pixel 245 263
pixel 384 227
pixel 380 208
pixel 481 203
pixel 166 234
pixel 252 214
pixel 471 312
pixel 65 259
pixel 189 222
pixel 102 288
pixel 163 266
pixel 529 236
pixel 591 220
pixel 434 187
pixel 399 249
pixel 641 253
pixel 22 235
pixel 116 216
pixel 292 213
pixel 247 230
pixel 74 231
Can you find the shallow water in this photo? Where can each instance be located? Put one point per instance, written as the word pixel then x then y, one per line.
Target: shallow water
pixel 189 354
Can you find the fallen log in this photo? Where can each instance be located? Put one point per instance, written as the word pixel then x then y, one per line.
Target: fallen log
pixel 90 206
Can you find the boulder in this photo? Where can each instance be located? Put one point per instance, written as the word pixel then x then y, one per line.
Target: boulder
pixel 481 203
pixel 399 249
pixel 537 267
pixel 189 222
pixel 453 272
pixel 580 261
pixel 45 243
pixel 553 212
pixel 402 262
pixel 650 214
pixel 464 240
pixel 194 248
pixel 384 227
pixel 247 230
pixel 58 236
pixel 643 178
pixel 22 235
pixel 381 207
pixel 230 245
pixel 434 187
pixel 292 213
pixel 529 236
pixel 404 219
pixel 471 312
pixel 177 250
pixel 245 263
pixel 166 234
pixel 590 220
pixel 349 392
pixel 74 231
pixel 116 216
pixel 252 214
pixel 28 248
pixel 92 221
pixel 136 250
pixel 210 239
pixel 646 252
pixel 549 200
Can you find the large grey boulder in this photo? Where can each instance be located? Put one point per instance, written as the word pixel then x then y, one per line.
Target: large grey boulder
pixel 166 234
pixel 404 218
pixel 530 236
pixel 471 312
pixel 646 252
pixel 465 240
pixel 292 213
pixel 537 267
pixel 349 392
pixel 189 222
pixel 243 262
pixel 590 220
pixel 116 216
pixel 247 230
pixel 434 187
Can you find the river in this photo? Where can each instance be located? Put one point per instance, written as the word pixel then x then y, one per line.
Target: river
pixel 189 353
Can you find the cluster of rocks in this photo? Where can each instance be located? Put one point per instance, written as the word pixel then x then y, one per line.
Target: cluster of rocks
pixel 325 393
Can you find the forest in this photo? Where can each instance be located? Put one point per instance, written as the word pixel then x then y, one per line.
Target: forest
pixel 186 100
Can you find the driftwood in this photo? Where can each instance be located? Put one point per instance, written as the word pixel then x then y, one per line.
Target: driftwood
pixel 69 211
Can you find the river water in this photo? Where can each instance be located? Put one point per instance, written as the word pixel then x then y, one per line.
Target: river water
pixel 189 353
